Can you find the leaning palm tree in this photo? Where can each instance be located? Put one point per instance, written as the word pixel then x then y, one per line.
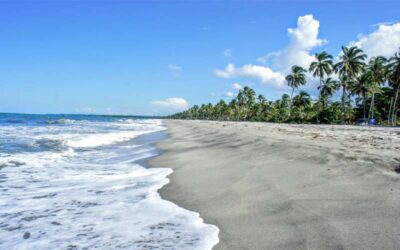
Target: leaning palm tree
pixel 351 64
pixel 323 66
pixel 328 88
pixel 394 82
pixel 295 80
pixel 378 71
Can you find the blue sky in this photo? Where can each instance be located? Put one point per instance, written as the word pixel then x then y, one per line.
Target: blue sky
pixel 150 58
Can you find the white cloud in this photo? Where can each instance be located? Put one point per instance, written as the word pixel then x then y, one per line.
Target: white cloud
pixel 302 40
pixel 268 57
pixel 305 35
pixel 228 94
pixel 237 86
pixel 176 70
pixel 384 41
pixel 172 103
pixel 264 74
pixel 227 53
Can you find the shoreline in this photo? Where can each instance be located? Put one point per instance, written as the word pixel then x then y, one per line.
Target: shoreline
pixel 282 186
pixel 152 140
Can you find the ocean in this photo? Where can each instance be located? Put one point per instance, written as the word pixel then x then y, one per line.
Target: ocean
pixel 79 182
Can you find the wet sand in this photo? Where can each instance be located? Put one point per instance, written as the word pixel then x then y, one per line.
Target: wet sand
pixel 279 186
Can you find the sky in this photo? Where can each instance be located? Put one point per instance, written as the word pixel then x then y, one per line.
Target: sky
pixel 160 57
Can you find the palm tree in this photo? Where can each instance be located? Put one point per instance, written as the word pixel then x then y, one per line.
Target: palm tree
pixel 377 70
pixel 233 109
pixel 321 67
pixel 261 99
pixel 294 80
pixel 394 82
pixel 302 101
pixel 261 106
pixel 351 64
pixel 249 101
pixel 241 99
pixel 209 111
pixel 194 112
pixel 327 90
pixel 220 110
pixel 362 86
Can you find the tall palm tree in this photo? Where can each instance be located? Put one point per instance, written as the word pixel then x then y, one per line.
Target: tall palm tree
pixel 394 82
pixel 323 66
pixel 209 111
pixel 351 64
pixel 241 100
pixel 378 71
pixel 295 80
pixel 261 108
pixel 250 98
pixel 250 94
pixel 327 90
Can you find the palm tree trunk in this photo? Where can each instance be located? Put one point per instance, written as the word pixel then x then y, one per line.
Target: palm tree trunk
pixel 290 103
pixel 343 105
pixel 319 98
pixel 364 109
pixel 390 110
pixel 394 112
pixel 371 107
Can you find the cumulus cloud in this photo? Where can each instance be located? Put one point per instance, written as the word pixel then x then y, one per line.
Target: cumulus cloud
pixel 176 70
pixel 305 35
pixel 172 103
pixel 264 74
pixel 227 53
pixel 302 39
pixel 237 86
pixel 384 41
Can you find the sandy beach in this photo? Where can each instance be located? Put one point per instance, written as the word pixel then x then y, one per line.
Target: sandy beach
pixel 280 186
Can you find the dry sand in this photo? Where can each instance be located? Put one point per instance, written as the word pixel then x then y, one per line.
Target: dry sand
pixel 279 186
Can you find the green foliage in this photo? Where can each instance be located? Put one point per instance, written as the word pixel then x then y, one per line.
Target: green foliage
pixel 372 88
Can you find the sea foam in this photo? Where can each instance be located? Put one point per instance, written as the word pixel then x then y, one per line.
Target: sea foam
pixel 91 192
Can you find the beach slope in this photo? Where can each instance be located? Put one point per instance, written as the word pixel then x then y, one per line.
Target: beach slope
pixel 280 186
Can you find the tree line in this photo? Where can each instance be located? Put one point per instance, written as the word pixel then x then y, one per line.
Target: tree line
pixel 369 91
